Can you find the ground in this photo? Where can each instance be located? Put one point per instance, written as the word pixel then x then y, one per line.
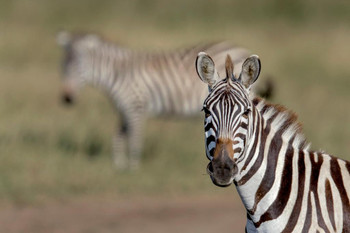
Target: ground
pixel 178 214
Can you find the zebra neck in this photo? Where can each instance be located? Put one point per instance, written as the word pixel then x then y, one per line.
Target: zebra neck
pixel 104 65
pixel 263 173
pixel 274 148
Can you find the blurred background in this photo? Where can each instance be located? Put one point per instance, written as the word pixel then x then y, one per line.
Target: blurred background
pixel 56 172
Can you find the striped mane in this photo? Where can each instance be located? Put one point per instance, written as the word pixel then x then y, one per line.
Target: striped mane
pixel 289 125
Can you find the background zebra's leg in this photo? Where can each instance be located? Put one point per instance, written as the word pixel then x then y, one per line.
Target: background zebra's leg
pixel 119 147
pixel 135 142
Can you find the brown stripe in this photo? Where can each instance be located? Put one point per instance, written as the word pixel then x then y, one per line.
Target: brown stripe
pixel 256 101
pixel 315 173
pixel 263 136
pixel 338 180
pixel 277 207
pixel 264 109
pixel 269 176
pixel 347 165
pixel 256 140
pixel 308 217
pixel 329 202
pixel 260 158
pixel 297 206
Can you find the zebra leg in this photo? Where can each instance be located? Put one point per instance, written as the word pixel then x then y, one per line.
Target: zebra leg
pixel 135 140
pixel 119 147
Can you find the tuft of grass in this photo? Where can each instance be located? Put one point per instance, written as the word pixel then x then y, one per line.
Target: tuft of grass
pixel 67 144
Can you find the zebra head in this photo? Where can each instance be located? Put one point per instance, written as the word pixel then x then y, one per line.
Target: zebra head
pixel 228 112
pixel 77 64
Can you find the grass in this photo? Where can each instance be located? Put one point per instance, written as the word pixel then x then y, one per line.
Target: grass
pixel 50 152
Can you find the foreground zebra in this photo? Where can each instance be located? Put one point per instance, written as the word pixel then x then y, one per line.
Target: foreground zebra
pixel 284 186
pixel 138 83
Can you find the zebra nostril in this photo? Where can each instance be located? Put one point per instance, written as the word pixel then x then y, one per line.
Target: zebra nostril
pixel 67 99
pixel 210 170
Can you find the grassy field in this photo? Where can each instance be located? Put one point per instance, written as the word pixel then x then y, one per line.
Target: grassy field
pixel 49 152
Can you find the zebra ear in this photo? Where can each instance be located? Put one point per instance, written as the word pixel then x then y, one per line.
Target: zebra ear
pixel 63 38
pixel 250 71
pixel 206 69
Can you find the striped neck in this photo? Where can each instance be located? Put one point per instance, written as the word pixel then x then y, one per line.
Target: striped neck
pixel 271 150
pixel 103 64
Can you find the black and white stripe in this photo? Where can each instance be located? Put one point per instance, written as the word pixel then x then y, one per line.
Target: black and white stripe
pixel 139 83
pixel 285 186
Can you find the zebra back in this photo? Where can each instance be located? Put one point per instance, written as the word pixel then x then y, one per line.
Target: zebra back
pixel 162 82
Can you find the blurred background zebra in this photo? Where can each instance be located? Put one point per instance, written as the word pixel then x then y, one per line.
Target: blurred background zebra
pixel 139 83
pixel 284 186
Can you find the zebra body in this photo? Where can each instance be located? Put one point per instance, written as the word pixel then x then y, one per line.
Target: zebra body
pixel 140 84
pixel 284 186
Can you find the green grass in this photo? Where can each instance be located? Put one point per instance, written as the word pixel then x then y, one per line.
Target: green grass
pixel 48 151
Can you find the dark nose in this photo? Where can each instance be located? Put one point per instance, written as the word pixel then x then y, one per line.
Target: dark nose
pixel 221 170
pixel 67 99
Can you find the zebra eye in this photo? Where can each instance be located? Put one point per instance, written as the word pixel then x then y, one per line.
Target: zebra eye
pixel 206 111
pixel 245 114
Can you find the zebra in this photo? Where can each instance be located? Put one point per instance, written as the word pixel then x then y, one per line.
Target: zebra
pixel 260 147
pixel 139 83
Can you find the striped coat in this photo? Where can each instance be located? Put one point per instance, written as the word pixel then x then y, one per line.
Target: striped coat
pixel 140 84
pixel 284 186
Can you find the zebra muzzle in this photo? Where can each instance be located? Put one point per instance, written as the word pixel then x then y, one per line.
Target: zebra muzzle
pixel 222 170
pixel 68 94
pixel 67 99
pixel 210 171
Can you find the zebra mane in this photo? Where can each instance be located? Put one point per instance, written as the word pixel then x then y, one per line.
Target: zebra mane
pixel 79 35
pixel 229 68
pixel 288 121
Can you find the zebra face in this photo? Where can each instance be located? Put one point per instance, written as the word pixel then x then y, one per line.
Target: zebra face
pixel 226 130
pixel 227 114
pixel 76 62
